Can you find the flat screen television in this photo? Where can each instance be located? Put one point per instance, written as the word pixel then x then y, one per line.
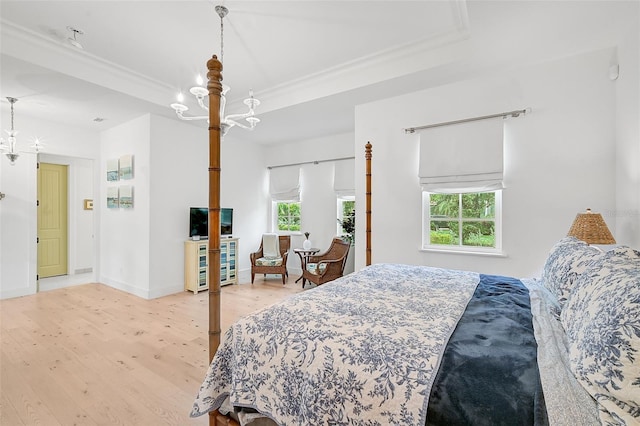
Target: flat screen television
pixel 199 222
pixel 226 222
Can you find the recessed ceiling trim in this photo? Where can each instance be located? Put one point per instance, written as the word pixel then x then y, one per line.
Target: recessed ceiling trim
pixel 372 69
pixel 26 45
pixel 390 63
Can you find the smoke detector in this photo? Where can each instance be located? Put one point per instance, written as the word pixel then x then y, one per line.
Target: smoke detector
pixel 72 39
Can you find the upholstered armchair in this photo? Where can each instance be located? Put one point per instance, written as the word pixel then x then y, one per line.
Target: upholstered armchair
pixel 327 266
pixel 271 257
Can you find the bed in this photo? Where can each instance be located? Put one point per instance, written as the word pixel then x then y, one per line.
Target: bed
pixel 413 345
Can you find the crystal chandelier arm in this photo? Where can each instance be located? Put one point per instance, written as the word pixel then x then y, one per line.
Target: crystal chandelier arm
pixel 191 117
pixel 239 116
pixel 252 123
pixel 202 105
pixel 250 102
pixel 180 110
pixel 200 93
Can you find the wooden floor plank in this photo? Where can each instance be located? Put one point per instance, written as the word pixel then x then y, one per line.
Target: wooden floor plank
pixel 93 355
pixel 28 406
pixel 8 414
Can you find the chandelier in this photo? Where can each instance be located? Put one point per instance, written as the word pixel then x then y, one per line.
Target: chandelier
pixel 10 144
pixel 226 121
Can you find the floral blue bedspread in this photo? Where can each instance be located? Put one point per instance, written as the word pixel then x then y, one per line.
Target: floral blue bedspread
pixel 361 350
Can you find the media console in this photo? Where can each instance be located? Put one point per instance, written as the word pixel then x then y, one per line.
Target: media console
pixel 196 263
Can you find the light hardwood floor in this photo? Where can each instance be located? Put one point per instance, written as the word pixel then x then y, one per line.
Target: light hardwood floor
pixel 93 355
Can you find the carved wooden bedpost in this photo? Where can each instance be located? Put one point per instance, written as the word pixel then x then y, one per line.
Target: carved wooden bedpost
pixel 367 156
pixel 215 89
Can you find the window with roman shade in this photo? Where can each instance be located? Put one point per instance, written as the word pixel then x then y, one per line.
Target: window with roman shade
pixel 344 184
pixel 462 158
pixel 284 184
pixel 344 178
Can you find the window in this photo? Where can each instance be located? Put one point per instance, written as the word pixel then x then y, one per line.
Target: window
pixel 346 216
pixel 288 216
pixel 469 221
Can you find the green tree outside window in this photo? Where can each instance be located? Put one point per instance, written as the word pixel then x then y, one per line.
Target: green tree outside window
pixel 288 216
pixel 462 219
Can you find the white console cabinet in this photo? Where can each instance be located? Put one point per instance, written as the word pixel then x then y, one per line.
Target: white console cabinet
pixel 196 263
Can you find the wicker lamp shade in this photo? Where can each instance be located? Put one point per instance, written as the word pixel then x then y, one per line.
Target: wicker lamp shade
pixel 591 228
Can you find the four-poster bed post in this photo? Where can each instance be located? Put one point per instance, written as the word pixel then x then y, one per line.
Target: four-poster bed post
pixel 367 156
pixel 214 75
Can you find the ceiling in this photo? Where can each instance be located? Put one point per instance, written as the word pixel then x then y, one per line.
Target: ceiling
pixel 309 62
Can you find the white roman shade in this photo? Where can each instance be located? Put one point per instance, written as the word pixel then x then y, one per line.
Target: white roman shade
pixel 284 183
pixel 344 181
pixel 465 157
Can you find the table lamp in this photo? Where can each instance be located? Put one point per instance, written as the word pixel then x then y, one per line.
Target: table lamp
pixel 591 228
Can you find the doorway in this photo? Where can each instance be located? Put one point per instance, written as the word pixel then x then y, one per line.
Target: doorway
pixel 52 220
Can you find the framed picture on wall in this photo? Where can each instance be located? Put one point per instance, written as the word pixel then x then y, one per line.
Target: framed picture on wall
pixel 112 170
pixel 126 197
pixel 126 167
pixel 112 197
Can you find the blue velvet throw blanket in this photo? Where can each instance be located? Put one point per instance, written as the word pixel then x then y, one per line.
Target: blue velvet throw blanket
pixel 489 373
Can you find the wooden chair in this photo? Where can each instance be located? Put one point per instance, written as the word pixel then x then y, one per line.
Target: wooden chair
pixel 327 266
pixel 262 265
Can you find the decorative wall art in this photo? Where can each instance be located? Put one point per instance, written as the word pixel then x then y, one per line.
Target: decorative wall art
pixel 112 170
pixel 126 197
pixel 112 197
pixel 126 167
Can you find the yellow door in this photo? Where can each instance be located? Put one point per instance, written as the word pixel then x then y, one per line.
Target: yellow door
pixel 52 220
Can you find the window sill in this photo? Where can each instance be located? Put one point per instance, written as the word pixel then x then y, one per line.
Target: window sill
pixel 465 251
pixel 291 233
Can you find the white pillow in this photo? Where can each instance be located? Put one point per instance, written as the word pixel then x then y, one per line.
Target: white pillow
pixel 602 321
pixel 568 258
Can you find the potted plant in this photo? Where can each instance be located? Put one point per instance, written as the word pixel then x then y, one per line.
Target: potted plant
pixel 348 224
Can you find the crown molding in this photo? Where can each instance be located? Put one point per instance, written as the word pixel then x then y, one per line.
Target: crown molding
pixel 29 46
pixel 442 49
pixel 399 61
pixel 393 63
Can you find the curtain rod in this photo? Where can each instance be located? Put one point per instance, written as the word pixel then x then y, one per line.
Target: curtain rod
pixel 310 162
pixel 514 114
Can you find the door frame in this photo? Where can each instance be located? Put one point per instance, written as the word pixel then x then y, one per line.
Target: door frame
pixel 77 192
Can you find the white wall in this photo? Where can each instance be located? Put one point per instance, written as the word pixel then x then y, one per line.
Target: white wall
pixel 18 211
pixel 142 249
pixel 125 233
pixel 318 199
pixel 18 227
pixel 627 210
pixel 180 179
pixel 243 187
pixel 559 160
